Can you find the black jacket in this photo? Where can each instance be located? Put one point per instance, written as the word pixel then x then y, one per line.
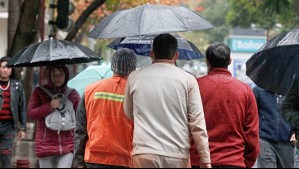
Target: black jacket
pixel 17 104
pixel 290 107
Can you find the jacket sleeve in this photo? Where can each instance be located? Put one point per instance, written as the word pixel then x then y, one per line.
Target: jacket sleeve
pixel 128 102
pixel 37 109
pixel 22 107
pixel 290 106
pixel 251 130
pixel 81 135
pixel 197 122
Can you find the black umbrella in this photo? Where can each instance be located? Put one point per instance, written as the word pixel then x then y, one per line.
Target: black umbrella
pixel 53 52
pixel 142 46
pixel 275 66
pixel 149 19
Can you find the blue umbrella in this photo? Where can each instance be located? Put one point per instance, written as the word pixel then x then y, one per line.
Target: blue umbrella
pixel 89 75
pixel 142 46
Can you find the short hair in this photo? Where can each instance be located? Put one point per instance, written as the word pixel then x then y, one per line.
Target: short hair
pixel 218 55
pixel 123 61
pixel 165 46
pixel 7 59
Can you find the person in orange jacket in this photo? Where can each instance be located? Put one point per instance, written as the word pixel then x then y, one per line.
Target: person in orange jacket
pixel 103 135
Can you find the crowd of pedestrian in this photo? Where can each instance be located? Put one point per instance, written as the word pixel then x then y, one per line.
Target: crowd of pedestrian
pixel 159 116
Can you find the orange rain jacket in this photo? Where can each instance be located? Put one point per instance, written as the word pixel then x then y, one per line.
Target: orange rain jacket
pixel 102 125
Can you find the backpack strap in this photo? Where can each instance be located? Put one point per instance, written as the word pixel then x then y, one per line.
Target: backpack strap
pixel 47 91
pixel 68 91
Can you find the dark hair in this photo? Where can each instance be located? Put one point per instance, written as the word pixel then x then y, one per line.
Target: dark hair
pixel 165 46
pixel 218 55
pixel 7 59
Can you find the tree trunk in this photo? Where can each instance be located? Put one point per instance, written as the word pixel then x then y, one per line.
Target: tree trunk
pixel 13 20
pixel 83 17
pixel 26 34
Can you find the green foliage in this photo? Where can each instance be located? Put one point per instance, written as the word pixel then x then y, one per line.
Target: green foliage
pixel 215 12
pixel 243 12
pixel 263 13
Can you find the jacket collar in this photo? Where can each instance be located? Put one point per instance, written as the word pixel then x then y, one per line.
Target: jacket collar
pixel 223 71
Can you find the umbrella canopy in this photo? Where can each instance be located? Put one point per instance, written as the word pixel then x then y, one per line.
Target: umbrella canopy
pixel 275 66
pixel 142 46
pixel 53 52
pixel 149 19
pixel 89 75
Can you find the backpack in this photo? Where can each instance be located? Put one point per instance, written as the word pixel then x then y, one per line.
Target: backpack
pixel 62 118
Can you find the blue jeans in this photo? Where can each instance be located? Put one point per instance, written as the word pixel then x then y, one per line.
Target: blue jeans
pixel 275 154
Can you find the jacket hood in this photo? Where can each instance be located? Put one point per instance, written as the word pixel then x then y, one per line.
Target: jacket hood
pixel 51 84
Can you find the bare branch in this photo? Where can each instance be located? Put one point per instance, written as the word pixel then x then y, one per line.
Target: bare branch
pixel 83 17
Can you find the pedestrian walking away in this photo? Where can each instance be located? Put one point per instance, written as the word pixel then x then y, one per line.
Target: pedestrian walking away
pixel 12 113
pixel 230 111
pixel 275 133
pixel 165 104
pixel 290 112
pixel 103 135
pixel 54 148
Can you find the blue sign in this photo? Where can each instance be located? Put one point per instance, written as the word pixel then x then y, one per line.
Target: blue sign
pixel 246 45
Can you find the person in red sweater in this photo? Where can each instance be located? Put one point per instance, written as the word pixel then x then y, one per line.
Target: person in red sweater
pixel 231 113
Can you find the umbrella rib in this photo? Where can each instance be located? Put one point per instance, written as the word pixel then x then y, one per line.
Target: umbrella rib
pixel 141 24
pixel 180 13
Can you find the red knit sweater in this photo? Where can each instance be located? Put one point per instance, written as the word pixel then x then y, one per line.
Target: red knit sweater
pixel 5 112
pixel 232 120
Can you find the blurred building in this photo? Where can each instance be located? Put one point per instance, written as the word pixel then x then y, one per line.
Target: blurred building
pixel 243 44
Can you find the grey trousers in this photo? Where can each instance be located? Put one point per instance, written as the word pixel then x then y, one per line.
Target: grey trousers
pixel 63 161
pixel 275 155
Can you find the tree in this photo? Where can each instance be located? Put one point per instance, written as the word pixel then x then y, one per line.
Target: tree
pixel 25 35
pixel 263 13
pixel 13 20
pixel 83 17
pixel 214 11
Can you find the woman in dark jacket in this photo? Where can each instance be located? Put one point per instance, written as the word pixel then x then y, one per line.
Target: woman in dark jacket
pixel 12 112
pixel 54 149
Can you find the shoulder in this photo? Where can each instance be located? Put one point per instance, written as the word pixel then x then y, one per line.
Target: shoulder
pixel 98 83
pixel 73 91
pixel 16 82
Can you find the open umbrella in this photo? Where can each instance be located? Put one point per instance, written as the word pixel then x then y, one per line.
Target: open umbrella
pixel 52 52
pixel 149 19
pixel 89 75
pixel 275 66
pixel 142 46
